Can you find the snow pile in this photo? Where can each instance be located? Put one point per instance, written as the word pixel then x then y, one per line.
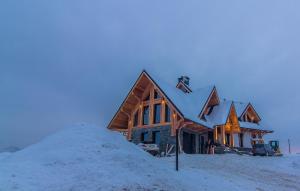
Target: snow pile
pixel 85 157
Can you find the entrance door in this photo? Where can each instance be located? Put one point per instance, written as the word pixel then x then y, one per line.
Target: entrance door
pixel 201 144
pixel 227 139
pixel 189 143
pixel 241 140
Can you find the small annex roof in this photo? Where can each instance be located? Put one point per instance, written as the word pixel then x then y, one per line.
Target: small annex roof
pixel 219 114
pixel 189 105
pixel 242 107
pixel 252 126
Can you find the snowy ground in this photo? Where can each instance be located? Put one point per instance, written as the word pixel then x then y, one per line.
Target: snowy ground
pixel 235 172
pixel 85 157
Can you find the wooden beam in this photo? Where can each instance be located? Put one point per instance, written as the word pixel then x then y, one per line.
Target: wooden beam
pixel 126 112
pixel 141 115
pixel 223 134
pixel 119 121
pixel 162 114
pixel 151 106
pixel 128 107
pixel 137 97
pixel 216 134
pixel 130 124
pixel 118 126
pixel 139 89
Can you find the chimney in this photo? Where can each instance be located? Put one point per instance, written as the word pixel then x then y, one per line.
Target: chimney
pixel 185 80
pixel 183 84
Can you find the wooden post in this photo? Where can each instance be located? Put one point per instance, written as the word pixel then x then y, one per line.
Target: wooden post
pixel 223 134
pixel 216 134
pixel 151 106
pixel 231 137
pixel 129 129
pixel 177 149
pixel 162 114
pixel 141 108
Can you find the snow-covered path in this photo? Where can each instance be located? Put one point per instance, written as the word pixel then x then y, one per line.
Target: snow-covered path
pixel 242 172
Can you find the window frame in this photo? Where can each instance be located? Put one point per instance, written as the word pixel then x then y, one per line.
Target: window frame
pixel 157 113
pixel 144 115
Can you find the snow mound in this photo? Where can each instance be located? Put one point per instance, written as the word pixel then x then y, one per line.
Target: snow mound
pixel 85 157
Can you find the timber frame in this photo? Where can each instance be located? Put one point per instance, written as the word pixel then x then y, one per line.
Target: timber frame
pixel 148 109
pixel 142 95
pixel 250 114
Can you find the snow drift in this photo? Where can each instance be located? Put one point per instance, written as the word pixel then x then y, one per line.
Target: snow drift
pixel 88 158
pixel 85 157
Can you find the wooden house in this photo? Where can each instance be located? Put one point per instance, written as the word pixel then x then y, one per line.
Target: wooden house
pixel 153 110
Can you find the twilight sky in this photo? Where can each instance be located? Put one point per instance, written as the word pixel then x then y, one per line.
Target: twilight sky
pixel 69 61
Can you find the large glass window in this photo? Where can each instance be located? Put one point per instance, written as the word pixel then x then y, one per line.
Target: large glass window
pixel 146 115
pixel 136 118
pixel 156 118
pixel 167 114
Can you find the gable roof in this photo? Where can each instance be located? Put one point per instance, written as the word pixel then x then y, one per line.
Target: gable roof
pixel 220 113
pixel 254 126
pixel 189 104
pixel 241 109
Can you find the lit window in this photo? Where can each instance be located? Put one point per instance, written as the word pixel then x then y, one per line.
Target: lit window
pixel 157 108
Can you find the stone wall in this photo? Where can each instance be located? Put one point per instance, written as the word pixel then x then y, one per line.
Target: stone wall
pixel 165 136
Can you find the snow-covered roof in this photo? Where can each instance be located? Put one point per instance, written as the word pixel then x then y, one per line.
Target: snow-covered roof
pixel 189 104
pixel 219 114
pixel 249 125
pixel 240 108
